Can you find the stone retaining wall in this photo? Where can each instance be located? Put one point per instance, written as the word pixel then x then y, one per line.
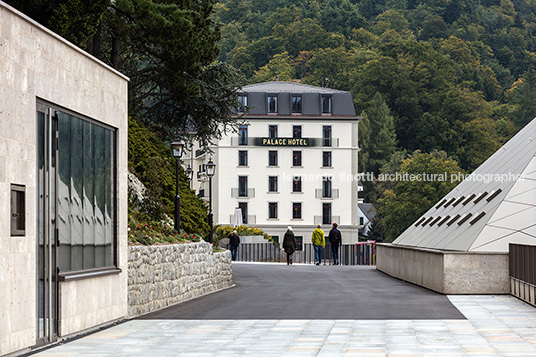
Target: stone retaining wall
pixel 163 275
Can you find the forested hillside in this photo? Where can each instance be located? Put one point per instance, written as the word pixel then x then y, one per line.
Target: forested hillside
pixel 450 75
pixel 441 84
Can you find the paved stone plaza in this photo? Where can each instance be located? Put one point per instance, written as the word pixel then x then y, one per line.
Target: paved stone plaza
pixel 492 325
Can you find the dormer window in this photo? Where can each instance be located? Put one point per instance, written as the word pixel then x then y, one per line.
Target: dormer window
pixel 243 103
pixel 326 104
pixel 296 104
pixel 272 104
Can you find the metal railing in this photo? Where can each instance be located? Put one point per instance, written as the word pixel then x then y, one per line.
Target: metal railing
pixel 349 254
pixel 320 219
pixel 522 260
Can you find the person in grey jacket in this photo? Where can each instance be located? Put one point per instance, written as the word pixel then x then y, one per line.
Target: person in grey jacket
pixel 289 244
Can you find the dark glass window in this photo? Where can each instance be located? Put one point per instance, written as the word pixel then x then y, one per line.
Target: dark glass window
pixel 361 221
pixel 326 135
pixel 272 183
pixel 299 242
pixel 272 131
pixel 244 207
pixel 326 159
pixel 326 213
pixel 296 210
pixel 18 210
pixel 242 158
pixel 296 131
pixel 242 186
pixel 296 104
pixel 326 104
pixel 243 135
pixel 243 103
pixel 296 158
pixel 272 104
pixel 296 184
pixel 326 187
pixel 272 158
pixel 272 209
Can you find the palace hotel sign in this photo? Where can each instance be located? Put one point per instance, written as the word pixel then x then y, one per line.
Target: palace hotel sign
pixel 286 142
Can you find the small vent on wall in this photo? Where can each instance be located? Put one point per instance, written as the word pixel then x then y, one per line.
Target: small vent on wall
pixel 477 218
pixel 469 199
pixel 465 218
pixel 428 220
pixel 435 220
pixel 443 221
pixel 481 197
pixel 419 221
pixel 458 201
pixel 450 201
pixel 453 219
pixel 441 203
pixel 493 195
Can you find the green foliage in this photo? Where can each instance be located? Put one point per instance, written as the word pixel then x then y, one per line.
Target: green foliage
pixel 406 200
pixel 221 232
pixel 151 161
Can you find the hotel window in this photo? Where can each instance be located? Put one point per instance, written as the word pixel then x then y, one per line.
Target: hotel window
pixel 272 104
pixel 244 208
pixel 296 104
pixel 326 187
pixel 326 135
pixel 242 158
pixel 243 135
pixel 296 131
pixel 242 186
pixel 243 103
pixel 296 158
pixel 326 104
pixel 272 131
pixel 272 210
pixel 296 184
pixel 361 221
pixel 18 210
pixel 296 210
pixel 299 242
pixel 326 158
pixel 326 213
pixel 272 183
pixel 272 158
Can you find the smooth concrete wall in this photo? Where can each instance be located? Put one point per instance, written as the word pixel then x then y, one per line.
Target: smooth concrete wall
pixel 163 275
pixel 37 64
pixel 447 272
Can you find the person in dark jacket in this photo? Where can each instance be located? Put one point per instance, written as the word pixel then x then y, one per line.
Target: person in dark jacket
pixel 234 241
pixel 289 244
pixel 335 239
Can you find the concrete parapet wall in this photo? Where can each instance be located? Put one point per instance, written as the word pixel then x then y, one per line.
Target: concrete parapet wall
pixel 447 272
pixel 163 275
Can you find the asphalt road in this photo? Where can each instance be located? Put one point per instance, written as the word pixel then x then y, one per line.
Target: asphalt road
pixel 275 291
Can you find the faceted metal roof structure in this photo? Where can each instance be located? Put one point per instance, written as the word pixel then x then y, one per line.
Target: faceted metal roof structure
pixel 494 206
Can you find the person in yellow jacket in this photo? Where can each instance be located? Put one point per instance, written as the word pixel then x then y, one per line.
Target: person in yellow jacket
pixel 319 241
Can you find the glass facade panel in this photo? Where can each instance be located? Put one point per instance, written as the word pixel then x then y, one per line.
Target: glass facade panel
pixel 86 211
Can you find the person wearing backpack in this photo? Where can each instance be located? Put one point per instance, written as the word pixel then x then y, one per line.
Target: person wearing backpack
pixel 234 241
pixel 335 239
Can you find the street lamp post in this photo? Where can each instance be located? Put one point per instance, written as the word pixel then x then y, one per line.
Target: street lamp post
pixel 211 167
pixel 178 147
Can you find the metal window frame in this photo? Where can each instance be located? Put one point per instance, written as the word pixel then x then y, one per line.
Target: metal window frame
pixel 18 189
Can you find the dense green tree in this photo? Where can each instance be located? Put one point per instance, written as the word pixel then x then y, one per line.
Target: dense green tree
pixel 523 97
pixel 400 206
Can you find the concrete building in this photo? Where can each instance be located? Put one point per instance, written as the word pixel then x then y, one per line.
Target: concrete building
pixel 63 187
pixel 460 246
pixel 293 161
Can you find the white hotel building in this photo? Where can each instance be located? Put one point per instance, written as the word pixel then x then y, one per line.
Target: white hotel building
pixel 293 162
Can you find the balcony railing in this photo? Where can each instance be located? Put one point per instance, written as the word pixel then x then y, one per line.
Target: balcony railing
pixel 320 220
pixel 237 194
pixel 319 193
pixel 252 219
pixel 199 153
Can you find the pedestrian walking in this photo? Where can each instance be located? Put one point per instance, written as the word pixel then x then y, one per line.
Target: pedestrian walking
pixel 335 239
pixel 289 244
pixel 234 242
pixel 319 241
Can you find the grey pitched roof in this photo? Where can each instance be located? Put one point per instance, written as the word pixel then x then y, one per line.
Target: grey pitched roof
pixel 367 209
pixel 287 87
pixel 493 207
